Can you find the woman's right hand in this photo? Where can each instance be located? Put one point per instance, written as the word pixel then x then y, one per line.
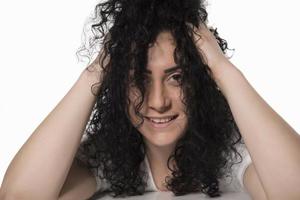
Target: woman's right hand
pixel 95 68
pixel 93 72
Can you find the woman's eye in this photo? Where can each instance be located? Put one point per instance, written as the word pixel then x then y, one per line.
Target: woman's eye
pixel 177 77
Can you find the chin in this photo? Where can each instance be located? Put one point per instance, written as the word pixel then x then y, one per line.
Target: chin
pixel 161 139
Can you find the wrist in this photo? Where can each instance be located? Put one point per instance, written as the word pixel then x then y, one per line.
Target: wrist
pixel 91 79
pixel 225 73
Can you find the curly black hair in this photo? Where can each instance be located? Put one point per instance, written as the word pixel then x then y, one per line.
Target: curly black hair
pixel 126 29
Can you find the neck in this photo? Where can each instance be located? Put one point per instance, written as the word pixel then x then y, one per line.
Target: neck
pixel 158 156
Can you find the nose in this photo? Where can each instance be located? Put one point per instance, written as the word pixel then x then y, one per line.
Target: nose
pixel 158 98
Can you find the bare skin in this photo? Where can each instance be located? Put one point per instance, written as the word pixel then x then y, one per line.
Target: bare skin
pixel 273 144
pixel 49 151
pixel 58 136
pixel 163 98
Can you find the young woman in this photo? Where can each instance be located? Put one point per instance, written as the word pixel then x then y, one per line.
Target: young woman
pixel 161 108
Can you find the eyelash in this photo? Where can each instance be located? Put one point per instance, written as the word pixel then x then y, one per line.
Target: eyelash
pixel 172 76
pixel 180 76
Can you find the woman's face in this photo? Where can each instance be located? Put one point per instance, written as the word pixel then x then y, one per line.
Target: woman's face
pixel 162 109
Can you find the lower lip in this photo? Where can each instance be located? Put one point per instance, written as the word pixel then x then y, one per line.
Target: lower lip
pixel 161 125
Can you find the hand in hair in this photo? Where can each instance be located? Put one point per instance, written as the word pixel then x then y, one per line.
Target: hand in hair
pixel 208 46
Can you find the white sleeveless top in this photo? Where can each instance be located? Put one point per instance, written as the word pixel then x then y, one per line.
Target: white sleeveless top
pixel 227 184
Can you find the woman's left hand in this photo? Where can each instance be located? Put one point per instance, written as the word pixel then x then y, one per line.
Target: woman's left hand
pixel 208 46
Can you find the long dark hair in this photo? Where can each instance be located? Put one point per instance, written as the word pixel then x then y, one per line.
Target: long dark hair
pixel 114 145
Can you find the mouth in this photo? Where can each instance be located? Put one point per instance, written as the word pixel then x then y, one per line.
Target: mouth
pixel 161 122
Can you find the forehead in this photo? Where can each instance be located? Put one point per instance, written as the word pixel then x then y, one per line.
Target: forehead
pixel 160 55
pixel 165 36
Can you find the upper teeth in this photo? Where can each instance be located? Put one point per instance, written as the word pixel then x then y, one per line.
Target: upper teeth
pixel 161 120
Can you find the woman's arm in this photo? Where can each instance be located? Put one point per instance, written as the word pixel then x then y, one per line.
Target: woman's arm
pixel 273 144
pixel 39 169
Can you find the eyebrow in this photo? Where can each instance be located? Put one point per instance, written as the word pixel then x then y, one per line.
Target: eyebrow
pixel 166 71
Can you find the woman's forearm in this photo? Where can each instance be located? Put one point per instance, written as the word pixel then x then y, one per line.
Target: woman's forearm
pixel 273 144
pixel 40 167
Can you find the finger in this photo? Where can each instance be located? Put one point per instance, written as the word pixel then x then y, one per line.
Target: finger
pixel 195 30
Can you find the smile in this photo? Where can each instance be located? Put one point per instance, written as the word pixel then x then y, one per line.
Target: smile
pixel 161 122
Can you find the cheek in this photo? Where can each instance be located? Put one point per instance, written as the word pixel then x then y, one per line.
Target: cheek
pixel 134 95
pixel 177 99
pixel 132 114
pixel 133 117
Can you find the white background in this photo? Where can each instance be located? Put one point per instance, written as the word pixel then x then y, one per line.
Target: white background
pixel 38 65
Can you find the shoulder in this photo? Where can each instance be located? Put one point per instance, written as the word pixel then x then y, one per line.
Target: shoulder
pixel 234 181
pixel 253 184
pixel 85 157
pixel 79 183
